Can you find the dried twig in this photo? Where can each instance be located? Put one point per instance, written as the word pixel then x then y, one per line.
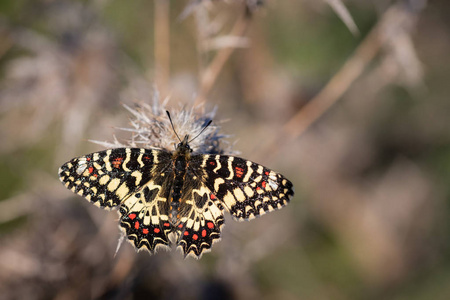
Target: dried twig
pixel 340 82
pixel 212 71
pixel 5 44
pixel 340 9
pixel 162 45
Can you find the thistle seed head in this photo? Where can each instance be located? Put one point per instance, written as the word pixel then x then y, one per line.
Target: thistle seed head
pixel 151 128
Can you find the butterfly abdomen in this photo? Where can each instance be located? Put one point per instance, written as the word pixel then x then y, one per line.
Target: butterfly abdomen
pixel 180 160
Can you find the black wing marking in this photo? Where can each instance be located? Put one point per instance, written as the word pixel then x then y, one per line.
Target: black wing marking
pixel 108 177
pixel 247 189
pixel 201 218
pixel 144 216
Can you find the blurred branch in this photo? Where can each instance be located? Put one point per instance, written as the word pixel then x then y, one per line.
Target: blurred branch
pixel 15 207
pixel 393 19
pixel 162 45
pixel 343 13
pixel 336 87
pixel 212 71
pixel 5 44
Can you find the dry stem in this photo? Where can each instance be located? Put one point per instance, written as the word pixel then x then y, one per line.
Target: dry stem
pixel 212 71
pixel 162 45
pixel 337 86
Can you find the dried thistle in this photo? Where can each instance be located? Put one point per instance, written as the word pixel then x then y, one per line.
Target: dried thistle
pixel 151 128
pixel 250 5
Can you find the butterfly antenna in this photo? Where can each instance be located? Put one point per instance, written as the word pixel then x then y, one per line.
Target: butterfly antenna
pixel 171 123
pixel 206 126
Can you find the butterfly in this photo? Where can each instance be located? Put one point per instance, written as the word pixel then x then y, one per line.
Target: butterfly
pixel 159 192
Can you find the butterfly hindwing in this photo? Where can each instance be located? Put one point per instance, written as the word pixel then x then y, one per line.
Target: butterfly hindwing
pixel 247 189
pixel 144 216
pixel 201 219
pixel 108 177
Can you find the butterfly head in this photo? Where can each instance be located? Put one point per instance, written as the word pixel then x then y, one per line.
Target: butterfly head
pixel 184 145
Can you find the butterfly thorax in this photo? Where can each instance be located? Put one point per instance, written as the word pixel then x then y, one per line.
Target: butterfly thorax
pixel 180 159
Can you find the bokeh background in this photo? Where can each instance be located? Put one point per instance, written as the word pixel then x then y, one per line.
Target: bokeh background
pixel 347 99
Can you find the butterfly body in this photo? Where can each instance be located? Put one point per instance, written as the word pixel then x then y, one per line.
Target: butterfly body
pixel 180 159
pixel 158 192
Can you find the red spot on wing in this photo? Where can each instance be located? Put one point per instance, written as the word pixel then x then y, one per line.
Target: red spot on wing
pixel 132 216
pixel 267 173
pixel 203 232
pixel 186 233
pixel 210 225
pixel 166 224
pixel 239 172
pixel 88 158
pixel 180 226
pixel 145 230
pixel 136 225
pixel 212 163
pixel 212 196
pixel 195 237
pixel 263 184
pixel 156 230
pixel 117 162
pixel 91 170
pixel 95 175
pixel 258 188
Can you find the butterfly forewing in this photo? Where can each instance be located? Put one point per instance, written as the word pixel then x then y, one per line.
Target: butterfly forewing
pixel 247 189
pixel 108 177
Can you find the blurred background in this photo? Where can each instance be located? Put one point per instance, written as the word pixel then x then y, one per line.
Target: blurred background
pixel 349 100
